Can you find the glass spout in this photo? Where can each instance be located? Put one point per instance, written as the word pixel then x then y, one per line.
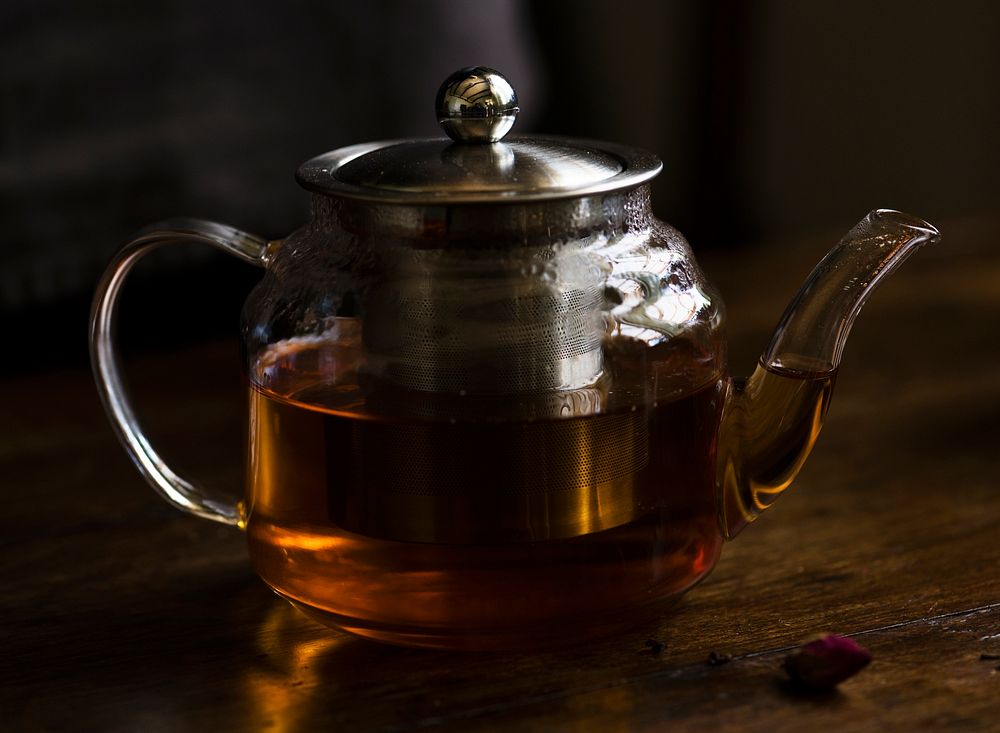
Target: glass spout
pixel 817 322
pixel 772 420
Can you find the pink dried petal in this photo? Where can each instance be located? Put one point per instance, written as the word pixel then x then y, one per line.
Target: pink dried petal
pixel 826 662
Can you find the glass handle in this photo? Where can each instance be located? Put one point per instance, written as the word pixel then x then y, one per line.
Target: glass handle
pixel 107 368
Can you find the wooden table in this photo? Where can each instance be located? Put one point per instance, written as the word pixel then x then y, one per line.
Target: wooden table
pixel 121 614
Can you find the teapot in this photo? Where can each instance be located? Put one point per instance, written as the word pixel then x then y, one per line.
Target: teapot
pixel 488 398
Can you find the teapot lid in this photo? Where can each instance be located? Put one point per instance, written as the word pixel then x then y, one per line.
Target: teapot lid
pixel 476 107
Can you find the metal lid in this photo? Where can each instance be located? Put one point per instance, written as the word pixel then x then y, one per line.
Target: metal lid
pixel 477 107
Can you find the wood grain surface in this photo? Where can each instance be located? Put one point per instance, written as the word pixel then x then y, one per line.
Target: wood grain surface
pixel 120 613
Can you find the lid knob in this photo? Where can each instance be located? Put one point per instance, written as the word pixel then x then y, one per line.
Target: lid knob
pixel 476 105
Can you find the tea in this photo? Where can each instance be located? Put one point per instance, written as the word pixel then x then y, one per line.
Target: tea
pixel 469 530
pixel 773 420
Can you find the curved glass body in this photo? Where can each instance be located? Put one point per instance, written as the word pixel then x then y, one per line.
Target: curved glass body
pixel 468 432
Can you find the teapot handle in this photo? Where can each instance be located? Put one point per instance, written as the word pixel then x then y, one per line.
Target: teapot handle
pixel 106 364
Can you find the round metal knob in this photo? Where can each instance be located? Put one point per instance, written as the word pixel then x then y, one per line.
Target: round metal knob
pixel 476 105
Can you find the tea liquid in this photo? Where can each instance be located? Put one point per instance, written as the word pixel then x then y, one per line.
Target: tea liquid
pixel 772 422
pixel 471 531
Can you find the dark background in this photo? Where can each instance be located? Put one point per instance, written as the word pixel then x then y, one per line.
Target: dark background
pixel 774 120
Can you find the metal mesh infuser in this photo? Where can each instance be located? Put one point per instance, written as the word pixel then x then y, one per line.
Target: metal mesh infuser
pixel 484 307
pixel 436 327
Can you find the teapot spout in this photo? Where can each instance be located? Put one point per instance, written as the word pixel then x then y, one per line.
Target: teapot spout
pixel 817 322
pixel 772 419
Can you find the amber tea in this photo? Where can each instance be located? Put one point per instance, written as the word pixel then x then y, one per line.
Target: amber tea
pixel 427 529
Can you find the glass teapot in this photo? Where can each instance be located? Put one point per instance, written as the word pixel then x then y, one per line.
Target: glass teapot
pixel 488 396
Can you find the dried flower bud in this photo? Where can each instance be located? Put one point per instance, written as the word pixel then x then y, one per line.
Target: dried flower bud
pixel 826 662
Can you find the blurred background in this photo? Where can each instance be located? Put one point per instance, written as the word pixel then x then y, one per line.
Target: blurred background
pixel 774 119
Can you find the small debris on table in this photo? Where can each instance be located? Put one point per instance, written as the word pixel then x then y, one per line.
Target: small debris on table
pixel 989 657
pixel 716 659
pixel 654 646
pixel 824 663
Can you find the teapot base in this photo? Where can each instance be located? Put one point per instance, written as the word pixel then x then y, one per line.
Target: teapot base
pixel 555 635
pixel 487 597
